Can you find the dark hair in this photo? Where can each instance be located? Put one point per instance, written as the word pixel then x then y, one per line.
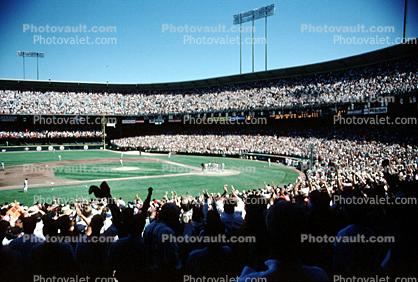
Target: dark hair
pixel 214 225
pixel 4 226
pixel 169 213
pixel 29 224
pixel 229 205
pixel 96 224
pixel 285 222
pixel 197 213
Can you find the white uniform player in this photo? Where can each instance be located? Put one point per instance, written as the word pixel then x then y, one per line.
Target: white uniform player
pixel 2 165
pixel 121 161
pixel 59 157
pixel 25 185
pixel 169 154
pixel 269 162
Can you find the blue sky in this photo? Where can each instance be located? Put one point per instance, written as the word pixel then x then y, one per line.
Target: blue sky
pixel 138 49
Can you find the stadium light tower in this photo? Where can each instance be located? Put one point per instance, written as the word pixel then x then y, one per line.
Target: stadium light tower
pixel 405 11
pixel 38 55
pixel 252 16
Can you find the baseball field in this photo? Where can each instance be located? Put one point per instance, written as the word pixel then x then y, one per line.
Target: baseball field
pixel 68 174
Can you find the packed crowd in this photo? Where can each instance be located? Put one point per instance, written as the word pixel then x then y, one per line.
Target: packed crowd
pixel 144 239
pixel 349 155
pixel 49 134
pixel 245 232
pixel 108 237
pixel 359 85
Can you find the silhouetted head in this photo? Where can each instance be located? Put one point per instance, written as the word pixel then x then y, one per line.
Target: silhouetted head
pixel 214 225
pixel 285 225
pixel 63 223
pixel 170 213
pixel 127 222
pixel 197 213
pixel 320 199
pixel 50 227
pixel 255 208
pixel 96 224
pixel 4 225
pixel 29 224
pixel 229 205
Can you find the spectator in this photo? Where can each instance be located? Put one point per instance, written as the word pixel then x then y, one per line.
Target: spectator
pixel 285 224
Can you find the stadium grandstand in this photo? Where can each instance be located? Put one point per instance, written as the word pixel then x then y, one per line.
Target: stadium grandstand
pixel 280 115
pixel 306 173
pixel 379 82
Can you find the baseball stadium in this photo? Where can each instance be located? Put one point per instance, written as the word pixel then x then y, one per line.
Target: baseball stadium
pixel 69 178
pixel 182 146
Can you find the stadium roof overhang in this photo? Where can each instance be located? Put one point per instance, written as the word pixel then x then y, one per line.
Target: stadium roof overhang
pixel 382 55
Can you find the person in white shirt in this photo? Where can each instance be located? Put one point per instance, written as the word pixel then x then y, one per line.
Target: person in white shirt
pixel 25 185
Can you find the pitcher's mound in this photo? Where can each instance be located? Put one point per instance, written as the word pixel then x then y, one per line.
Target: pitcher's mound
pixel 125 168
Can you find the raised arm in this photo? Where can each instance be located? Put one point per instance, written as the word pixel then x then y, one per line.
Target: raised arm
pixel 142 215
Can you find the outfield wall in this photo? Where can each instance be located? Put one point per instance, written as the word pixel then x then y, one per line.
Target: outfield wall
pixel 52 147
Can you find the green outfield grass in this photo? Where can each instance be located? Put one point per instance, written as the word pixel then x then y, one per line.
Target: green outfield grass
pixel 110 170
pixel 253 174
